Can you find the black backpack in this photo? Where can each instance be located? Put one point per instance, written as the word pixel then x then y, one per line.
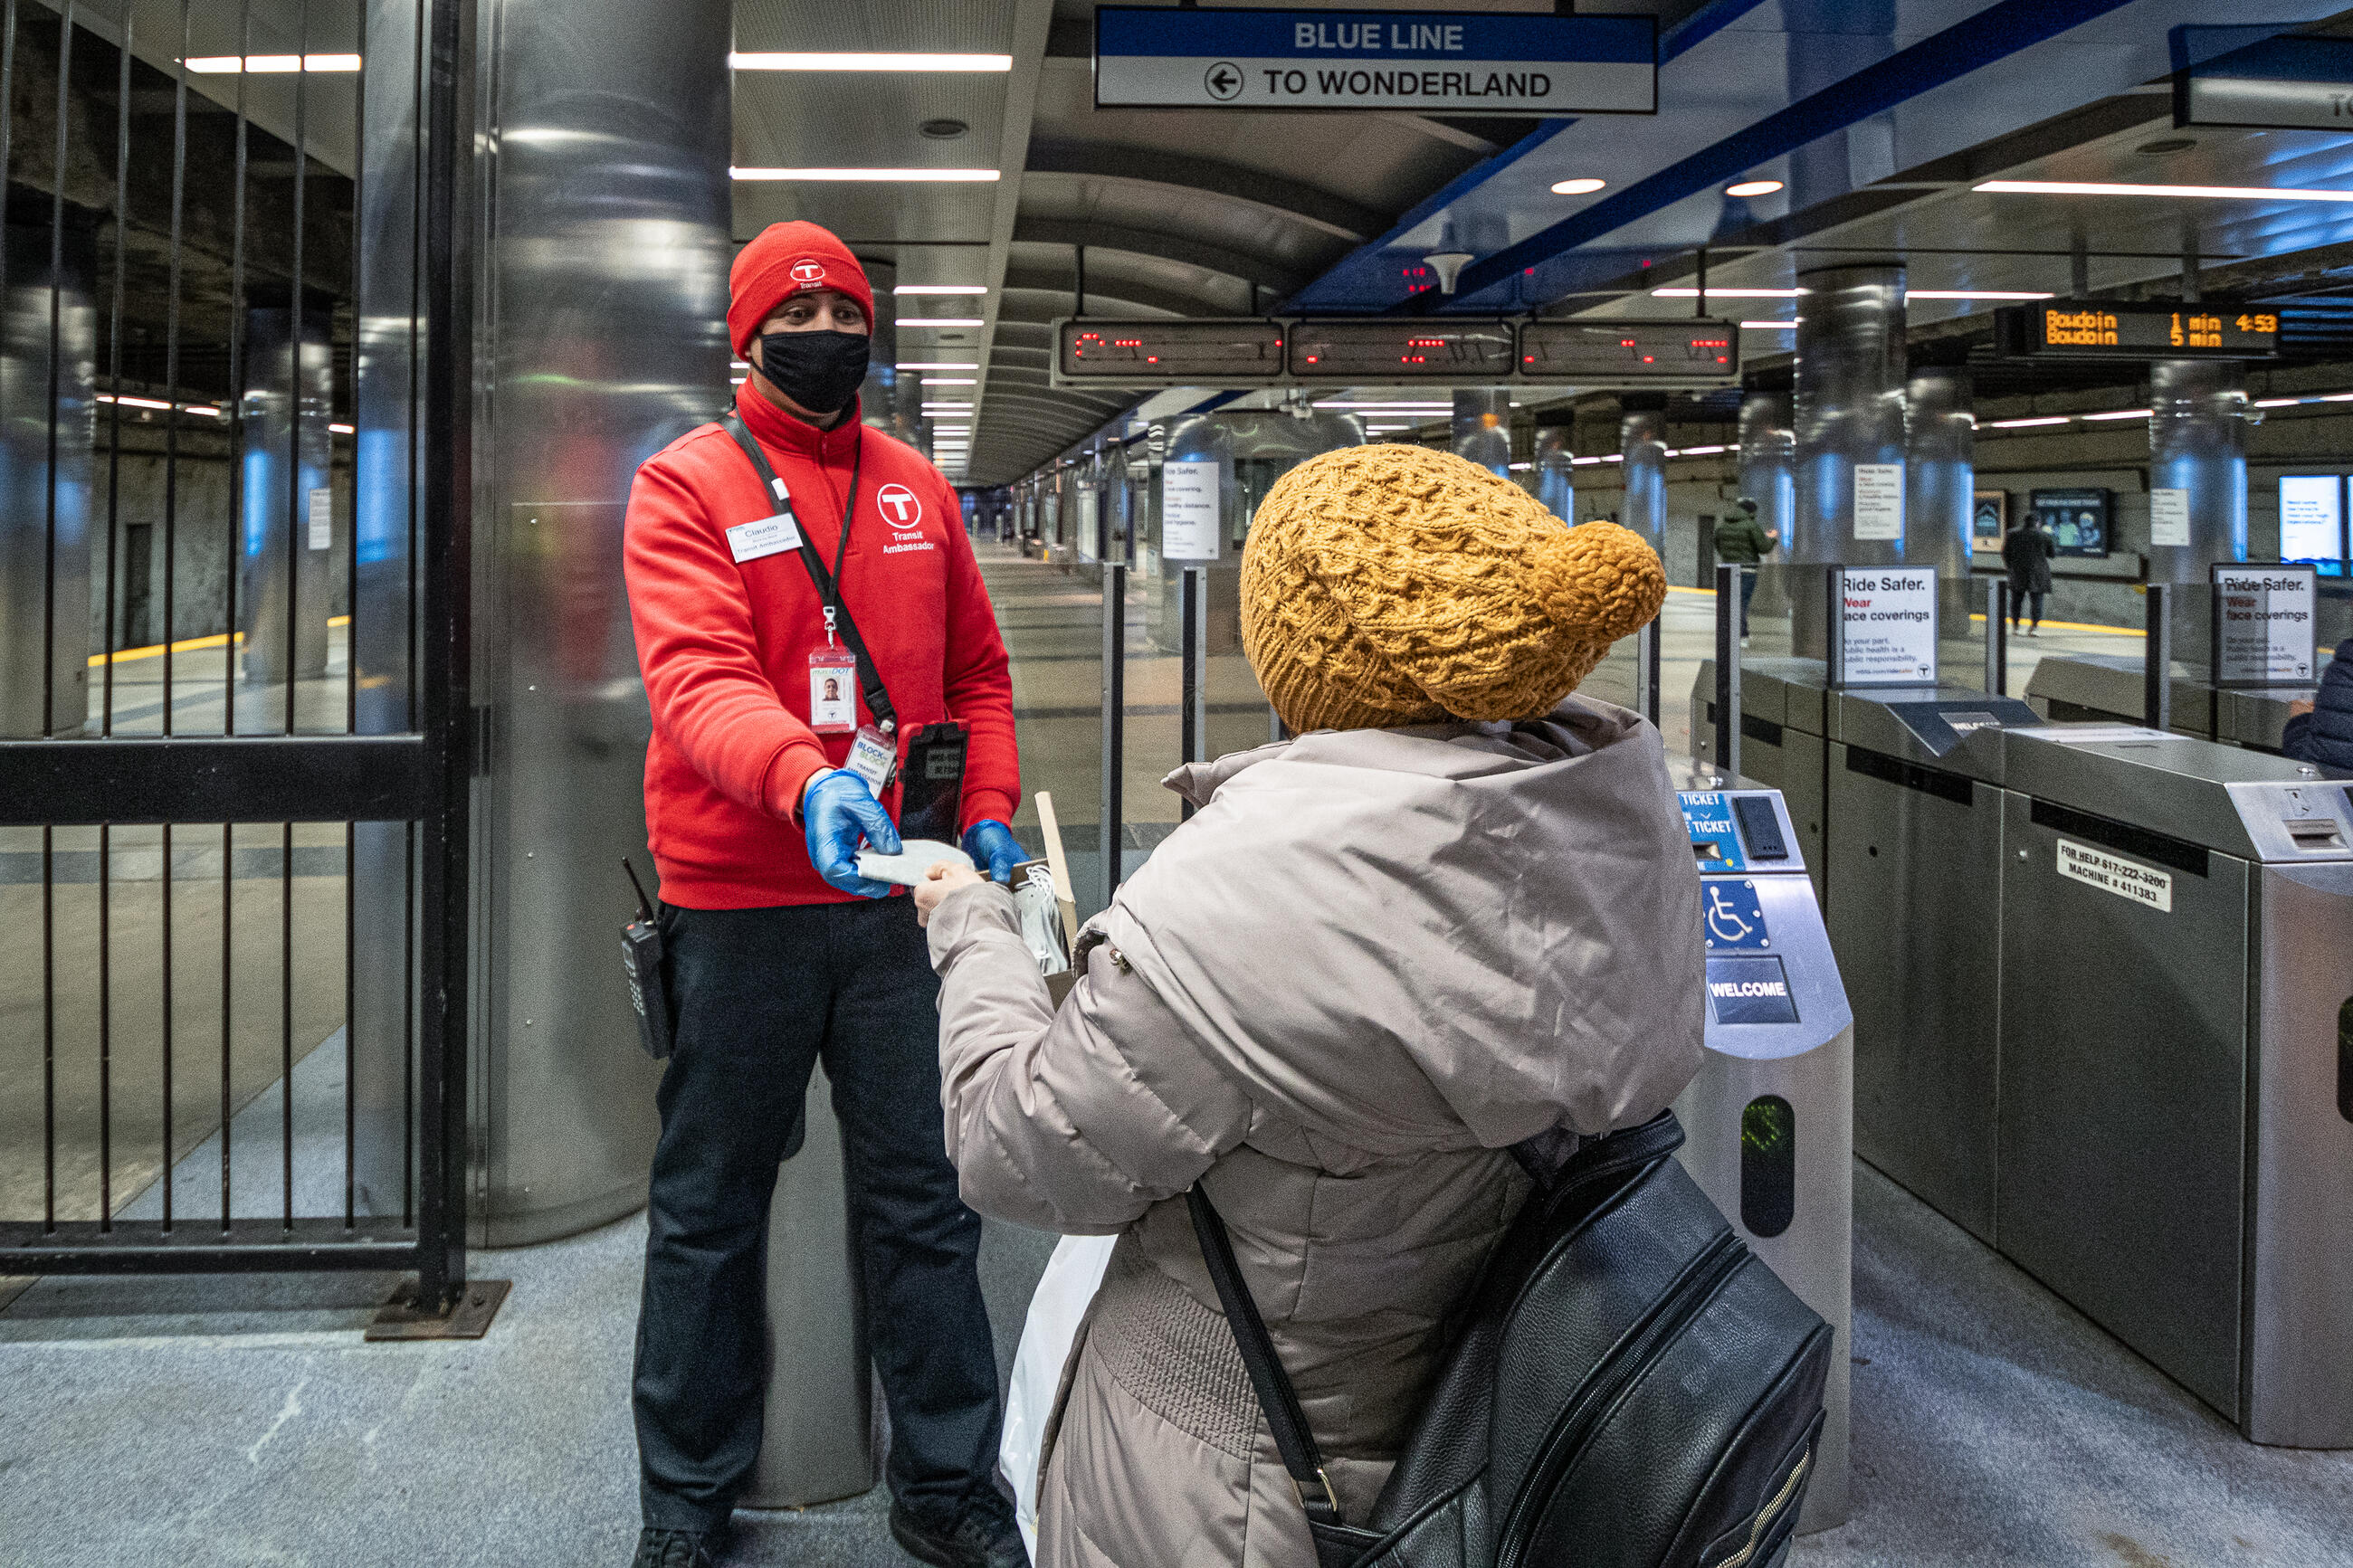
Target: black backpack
pixel 1631 1387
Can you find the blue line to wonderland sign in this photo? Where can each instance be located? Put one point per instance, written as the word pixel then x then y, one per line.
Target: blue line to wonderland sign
pixel 1443 62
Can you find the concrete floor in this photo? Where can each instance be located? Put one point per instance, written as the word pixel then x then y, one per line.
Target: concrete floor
pixel 221 1422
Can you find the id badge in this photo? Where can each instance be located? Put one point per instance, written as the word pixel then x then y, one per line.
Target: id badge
pixel 833 691
pixel 874 758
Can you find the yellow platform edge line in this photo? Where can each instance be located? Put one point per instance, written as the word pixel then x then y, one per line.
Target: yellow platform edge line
pixel 186 645
pixel 2056 626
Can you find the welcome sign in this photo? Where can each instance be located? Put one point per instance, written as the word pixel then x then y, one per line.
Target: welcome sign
pixel 1428 62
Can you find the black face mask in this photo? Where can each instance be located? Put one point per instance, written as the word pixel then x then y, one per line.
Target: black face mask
pixel 819 371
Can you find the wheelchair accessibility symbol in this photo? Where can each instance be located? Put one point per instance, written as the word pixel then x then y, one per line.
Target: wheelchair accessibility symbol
pixel 1734 918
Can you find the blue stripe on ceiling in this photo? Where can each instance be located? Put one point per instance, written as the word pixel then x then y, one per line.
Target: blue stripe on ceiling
pixel 1991 34
pixel 1688 33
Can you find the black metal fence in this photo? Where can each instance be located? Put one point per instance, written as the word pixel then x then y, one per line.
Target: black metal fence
pixel 233 673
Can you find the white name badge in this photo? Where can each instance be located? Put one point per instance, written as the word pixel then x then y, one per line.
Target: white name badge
pixel 769 536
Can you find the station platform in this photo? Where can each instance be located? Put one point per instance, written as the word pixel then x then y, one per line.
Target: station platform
pixel 245 1422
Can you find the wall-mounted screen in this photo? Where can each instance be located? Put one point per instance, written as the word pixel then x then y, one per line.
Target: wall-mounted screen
pixel 2312 518
pixel 2077 520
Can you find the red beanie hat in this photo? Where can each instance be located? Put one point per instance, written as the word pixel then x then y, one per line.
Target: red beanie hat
pixel 785 259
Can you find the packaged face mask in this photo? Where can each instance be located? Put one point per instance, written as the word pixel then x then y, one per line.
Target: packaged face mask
pixel 912 868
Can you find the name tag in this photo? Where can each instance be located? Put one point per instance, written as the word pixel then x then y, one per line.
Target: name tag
pixel 769 536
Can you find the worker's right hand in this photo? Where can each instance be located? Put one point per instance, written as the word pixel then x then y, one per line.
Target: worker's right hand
pixel 841 812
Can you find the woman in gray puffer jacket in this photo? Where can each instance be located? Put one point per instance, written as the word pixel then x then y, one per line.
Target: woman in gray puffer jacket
pixel 1458 913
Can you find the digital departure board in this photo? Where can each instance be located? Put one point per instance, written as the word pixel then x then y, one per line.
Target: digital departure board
pixel 1176 353
pixel 2102 328
pixel 1385 348
pixel 1632 352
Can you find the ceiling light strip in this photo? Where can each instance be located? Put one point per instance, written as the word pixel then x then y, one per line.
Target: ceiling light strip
pixel 2200 193
pixel 969 176
pixel 754 60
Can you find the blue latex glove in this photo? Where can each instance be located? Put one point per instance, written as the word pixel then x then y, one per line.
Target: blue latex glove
pixel 841 812
pixel 991 844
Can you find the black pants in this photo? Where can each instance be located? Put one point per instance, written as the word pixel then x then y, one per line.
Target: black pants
pixel 2024 605
pixel 761 995
pixel 1747 592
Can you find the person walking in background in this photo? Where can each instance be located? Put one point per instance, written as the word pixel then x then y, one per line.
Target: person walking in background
pixel 784 688
pixel 2027 553
pixel 1454 916
pixel 1742 540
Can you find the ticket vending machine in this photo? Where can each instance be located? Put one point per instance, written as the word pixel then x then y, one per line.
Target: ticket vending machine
pixel 1769 1123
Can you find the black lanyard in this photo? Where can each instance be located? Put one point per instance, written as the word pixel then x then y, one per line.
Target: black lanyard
pixel 827 581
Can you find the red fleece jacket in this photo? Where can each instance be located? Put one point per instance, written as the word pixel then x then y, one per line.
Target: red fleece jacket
pixel 726 647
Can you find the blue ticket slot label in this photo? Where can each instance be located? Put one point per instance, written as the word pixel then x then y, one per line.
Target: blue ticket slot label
pixel 1749 989
pixel 1731 917
pixel 1715 842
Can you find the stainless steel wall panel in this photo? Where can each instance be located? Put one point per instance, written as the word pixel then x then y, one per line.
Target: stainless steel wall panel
pixel 2299 1359
pixel 604 204
pixel 2122 1103
pixel 1914 917
pixel 1848 398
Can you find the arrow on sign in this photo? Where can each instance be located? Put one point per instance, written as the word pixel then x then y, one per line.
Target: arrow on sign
pixel 1223 79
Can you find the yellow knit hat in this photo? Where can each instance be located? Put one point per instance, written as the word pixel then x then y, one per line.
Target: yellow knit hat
pixel 1388 586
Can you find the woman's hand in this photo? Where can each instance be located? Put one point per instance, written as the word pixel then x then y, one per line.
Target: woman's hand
pixel 945 878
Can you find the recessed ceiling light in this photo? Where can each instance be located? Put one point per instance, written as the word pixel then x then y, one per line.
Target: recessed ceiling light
pixel 950 381
pixel 1753 188
pixel 969 176
pixel 2121 413
pixel 1731 293
pixel 941 289
pixel 2022 424
pixel 2106 188
pixel 936 323
pixel 1771 326
pixel 2277 402
pixel 937 365
pixel 867 61
pixel 1578 187
pixel 942 129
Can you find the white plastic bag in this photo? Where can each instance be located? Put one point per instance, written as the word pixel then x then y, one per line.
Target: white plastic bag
pixel 1073 1276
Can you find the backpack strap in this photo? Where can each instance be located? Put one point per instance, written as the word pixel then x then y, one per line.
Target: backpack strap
pixel 1276 1397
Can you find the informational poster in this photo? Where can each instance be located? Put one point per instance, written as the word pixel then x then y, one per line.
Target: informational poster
pixel 1191 528
pixel 2311 517
pixel 1879 500
pixel 1988 518
pixel 2076 519
pixel 1883 621
pixel 2265 625
pixel 2168 517
pixel 1090 525
pixel 322 519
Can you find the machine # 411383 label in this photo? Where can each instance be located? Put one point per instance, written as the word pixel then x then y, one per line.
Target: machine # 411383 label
pixel 2115 874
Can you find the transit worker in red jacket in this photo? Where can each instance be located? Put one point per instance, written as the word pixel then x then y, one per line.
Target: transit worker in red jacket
pixel 819 651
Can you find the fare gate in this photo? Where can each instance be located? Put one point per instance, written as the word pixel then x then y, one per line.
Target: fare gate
pixel 237 646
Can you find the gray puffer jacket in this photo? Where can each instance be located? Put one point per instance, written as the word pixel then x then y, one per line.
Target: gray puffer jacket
pixel 1373 962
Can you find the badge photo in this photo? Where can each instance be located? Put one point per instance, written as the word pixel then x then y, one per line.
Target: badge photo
pixel 833 691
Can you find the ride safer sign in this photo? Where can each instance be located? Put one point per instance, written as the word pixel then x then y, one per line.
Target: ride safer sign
pixel 1883 621
pixel 1428 62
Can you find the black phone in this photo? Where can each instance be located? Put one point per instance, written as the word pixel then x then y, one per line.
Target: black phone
pixel 931 782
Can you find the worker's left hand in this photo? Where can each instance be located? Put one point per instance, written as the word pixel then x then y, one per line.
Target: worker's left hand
pixel 991 844
pixel 945 878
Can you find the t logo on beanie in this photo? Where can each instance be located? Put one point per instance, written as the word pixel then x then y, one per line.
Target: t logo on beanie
pixel 808 271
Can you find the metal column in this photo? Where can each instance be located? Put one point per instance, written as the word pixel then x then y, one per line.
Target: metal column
pixel 1483 427
pixel 1939 486
pixel 48 344
pixel 1849 406
pixel 1642 449
pixel 2197 446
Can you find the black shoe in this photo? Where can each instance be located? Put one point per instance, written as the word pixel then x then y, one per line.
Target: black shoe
pixel 675 1549
pixel 984 1536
